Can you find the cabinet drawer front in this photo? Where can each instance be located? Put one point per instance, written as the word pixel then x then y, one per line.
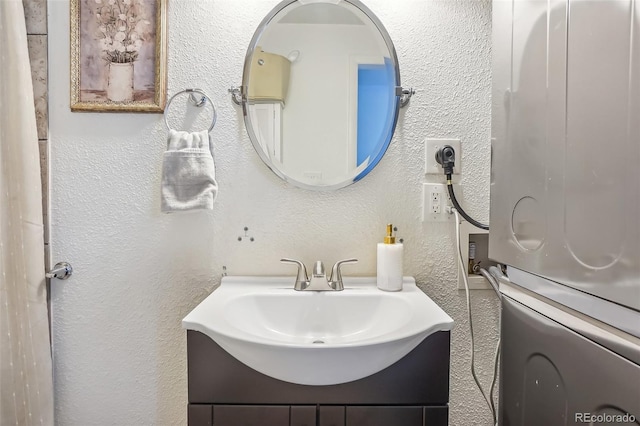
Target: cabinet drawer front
pixel 436 416
pixel 250 415
pixel 331 416
pixel 303 415
pixel 384 416
pixel 200 415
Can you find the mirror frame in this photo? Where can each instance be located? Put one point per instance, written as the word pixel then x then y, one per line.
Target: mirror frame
pixel 245 81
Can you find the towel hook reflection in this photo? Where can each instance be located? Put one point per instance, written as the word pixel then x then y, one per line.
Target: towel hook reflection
pixel 195 100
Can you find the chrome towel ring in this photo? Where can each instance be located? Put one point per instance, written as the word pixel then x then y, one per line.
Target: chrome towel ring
pixel 195 100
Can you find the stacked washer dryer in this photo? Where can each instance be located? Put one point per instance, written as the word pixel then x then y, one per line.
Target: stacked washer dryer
pixel 565 209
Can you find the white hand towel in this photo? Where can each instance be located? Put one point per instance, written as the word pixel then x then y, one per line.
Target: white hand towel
pixel 188 173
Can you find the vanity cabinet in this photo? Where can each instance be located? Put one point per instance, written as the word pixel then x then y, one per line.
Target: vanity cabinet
pixel 254 415
pixel 224 392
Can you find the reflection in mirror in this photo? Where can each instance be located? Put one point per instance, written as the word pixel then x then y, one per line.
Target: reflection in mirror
pixel 319 92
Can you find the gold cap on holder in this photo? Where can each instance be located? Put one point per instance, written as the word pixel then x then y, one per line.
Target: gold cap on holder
pixel 389 239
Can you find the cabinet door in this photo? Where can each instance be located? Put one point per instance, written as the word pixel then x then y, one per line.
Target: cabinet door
pixel 331 416
pixel 250 415
pixel 384 416
pixel 200 415
pixel 436 416
pixel 303 415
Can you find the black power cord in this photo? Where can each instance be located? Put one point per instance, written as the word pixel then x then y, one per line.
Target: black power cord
pixel 446 157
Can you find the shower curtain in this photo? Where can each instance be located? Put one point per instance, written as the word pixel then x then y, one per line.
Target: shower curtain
pixel 26 390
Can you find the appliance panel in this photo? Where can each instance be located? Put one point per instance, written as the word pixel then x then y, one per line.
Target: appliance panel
pixel 543 382
pixel 565 194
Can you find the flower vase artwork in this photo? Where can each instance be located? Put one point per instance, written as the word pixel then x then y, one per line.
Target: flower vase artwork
pixel 118 55
pixel 120 42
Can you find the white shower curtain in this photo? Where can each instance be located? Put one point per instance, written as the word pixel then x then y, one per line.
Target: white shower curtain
pixel 26 390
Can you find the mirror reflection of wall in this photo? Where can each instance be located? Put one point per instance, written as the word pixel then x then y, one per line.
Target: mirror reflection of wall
pixel 334 119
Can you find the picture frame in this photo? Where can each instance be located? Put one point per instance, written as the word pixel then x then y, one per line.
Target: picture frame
pixel 118 55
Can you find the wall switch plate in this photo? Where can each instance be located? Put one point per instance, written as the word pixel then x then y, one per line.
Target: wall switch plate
pixel 431 146
pixel 435 200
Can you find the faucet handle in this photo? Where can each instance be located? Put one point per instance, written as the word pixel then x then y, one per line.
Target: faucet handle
pixel 302 280
pixel 336 272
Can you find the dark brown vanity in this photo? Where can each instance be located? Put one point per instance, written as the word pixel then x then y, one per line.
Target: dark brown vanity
pixel 224 392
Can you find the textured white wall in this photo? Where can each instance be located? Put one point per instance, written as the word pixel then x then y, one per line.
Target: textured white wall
pixel 119 348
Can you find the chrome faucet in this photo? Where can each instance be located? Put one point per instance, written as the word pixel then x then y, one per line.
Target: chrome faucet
pixel 319 281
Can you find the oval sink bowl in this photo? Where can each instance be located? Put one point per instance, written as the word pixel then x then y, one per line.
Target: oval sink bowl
pixel 316 338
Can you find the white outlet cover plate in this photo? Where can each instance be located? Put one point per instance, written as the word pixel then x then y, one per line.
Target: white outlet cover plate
pixel 431 146
pixel 436 188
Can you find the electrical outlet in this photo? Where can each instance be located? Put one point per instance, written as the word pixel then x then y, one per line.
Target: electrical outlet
pixel 431 146
pixel 435 201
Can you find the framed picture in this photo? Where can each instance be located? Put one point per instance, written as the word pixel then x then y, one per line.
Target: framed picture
pixel 118 55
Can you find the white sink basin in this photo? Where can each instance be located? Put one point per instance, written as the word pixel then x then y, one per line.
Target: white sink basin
pixel 316 338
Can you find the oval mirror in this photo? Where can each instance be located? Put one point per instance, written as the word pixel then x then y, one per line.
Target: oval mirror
pixel 320 92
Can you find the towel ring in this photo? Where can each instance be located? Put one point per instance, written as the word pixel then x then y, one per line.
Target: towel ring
pixel 194 100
